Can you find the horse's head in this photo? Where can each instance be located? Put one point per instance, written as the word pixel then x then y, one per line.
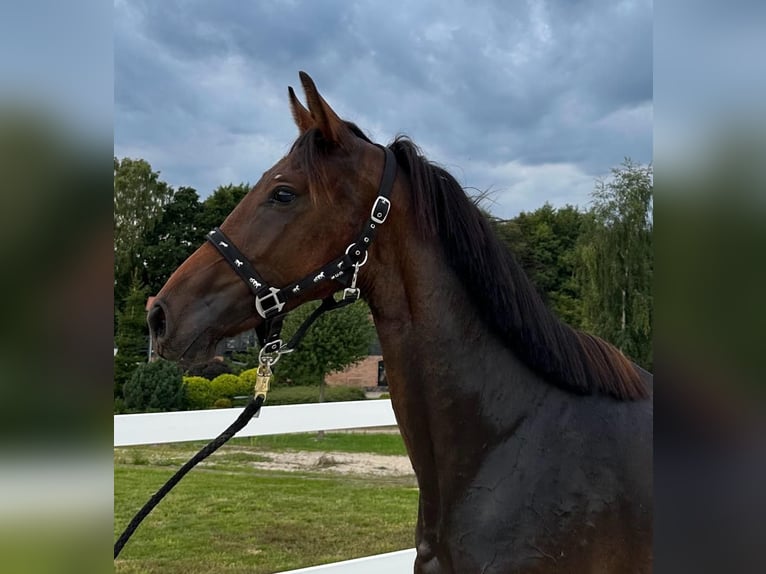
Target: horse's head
pixel 303 213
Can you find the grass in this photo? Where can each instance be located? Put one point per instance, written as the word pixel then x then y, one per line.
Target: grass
pixel 41 544
pixel 377 443
pixel 231 518
pixel 178 453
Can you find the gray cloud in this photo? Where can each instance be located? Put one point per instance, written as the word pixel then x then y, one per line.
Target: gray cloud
pixel 533 99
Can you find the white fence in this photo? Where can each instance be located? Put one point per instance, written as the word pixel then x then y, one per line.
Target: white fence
pixel 155 428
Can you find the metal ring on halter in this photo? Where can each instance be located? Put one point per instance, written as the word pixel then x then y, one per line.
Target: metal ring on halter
pixel 366 253
pixel 269 359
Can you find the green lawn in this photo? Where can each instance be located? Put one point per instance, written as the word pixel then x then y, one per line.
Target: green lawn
pixel 231 518
pixel 378 443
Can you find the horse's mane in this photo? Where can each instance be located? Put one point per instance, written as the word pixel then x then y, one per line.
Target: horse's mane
pixel 504 295
pixel 501 290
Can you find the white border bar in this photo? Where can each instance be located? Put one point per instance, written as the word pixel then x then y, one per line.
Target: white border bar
pixel 391 562
pixel 156 428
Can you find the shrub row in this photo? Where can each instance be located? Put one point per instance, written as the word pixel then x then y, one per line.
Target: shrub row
pixel 299 395
pixel 222 390
pixel 158 386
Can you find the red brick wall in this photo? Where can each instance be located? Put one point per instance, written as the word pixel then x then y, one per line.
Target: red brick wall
pixel 361 374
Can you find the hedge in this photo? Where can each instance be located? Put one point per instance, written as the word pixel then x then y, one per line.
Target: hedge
pixel 310 394
pixel 199 393
pixel 228 386
pixel 220 392
pixel 248 377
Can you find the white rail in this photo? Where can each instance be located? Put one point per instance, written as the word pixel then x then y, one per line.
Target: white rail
pixel 156 428
pixel 389 563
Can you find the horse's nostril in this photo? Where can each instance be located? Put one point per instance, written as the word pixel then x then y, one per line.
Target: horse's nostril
pixel 156 320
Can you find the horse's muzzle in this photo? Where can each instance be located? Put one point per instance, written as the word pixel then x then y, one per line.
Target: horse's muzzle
pixel 158 326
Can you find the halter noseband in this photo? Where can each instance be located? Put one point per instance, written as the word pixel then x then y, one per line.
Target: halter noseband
pixel 269 300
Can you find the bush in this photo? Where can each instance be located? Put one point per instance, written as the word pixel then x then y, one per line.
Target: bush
pixel 218 393
pixel 226 386
pixel 119 406
pixel 310 394
pixel 248 378
pixel 244 386
pixel 209 370
pixel 199 393
pixel 339 394
pixel 247 382
pixel 155 386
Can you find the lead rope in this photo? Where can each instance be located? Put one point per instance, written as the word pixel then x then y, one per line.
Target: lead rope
pixel 252 409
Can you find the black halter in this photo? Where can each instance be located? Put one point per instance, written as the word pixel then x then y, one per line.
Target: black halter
pixel 269 300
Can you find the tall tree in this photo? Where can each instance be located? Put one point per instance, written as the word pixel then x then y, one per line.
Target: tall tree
pixel 617 262
pixel 337 339
pixel 132 339
pixel 544 243
pixel 139 198
pixel 220 204
pixel 173 238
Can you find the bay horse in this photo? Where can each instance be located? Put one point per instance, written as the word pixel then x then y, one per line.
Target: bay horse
pixel 531 441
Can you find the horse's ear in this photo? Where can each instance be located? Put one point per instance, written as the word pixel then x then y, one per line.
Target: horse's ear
pixel 301 115
pixel 325 118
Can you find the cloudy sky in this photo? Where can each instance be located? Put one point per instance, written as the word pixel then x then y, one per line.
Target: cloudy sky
pixel 533 99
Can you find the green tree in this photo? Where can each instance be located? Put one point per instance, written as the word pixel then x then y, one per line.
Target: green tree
pixel 337 339
pixel 617 262
pixel 544 242
pixel 155 386
pixel 139 198
pixel 175 236
pixel 220 204
pixel 132 340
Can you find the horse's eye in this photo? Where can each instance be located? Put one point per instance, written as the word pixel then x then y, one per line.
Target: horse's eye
pixel 283 195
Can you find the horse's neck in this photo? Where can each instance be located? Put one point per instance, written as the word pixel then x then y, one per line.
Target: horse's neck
pixel 454 385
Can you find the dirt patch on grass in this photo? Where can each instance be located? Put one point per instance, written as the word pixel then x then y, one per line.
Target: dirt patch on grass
pixel 336 462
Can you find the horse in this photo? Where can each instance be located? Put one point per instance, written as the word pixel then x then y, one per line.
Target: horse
pixel 531 441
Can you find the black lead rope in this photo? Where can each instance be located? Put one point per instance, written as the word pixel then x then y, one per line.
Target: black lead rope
pixel 251 409
pixel 249 412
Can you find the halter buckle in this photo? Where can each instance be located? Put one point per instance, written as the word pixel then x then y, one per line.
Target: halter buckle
pixel 271 348
pixel 351 294
pixel 380 209
pixel 270 308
